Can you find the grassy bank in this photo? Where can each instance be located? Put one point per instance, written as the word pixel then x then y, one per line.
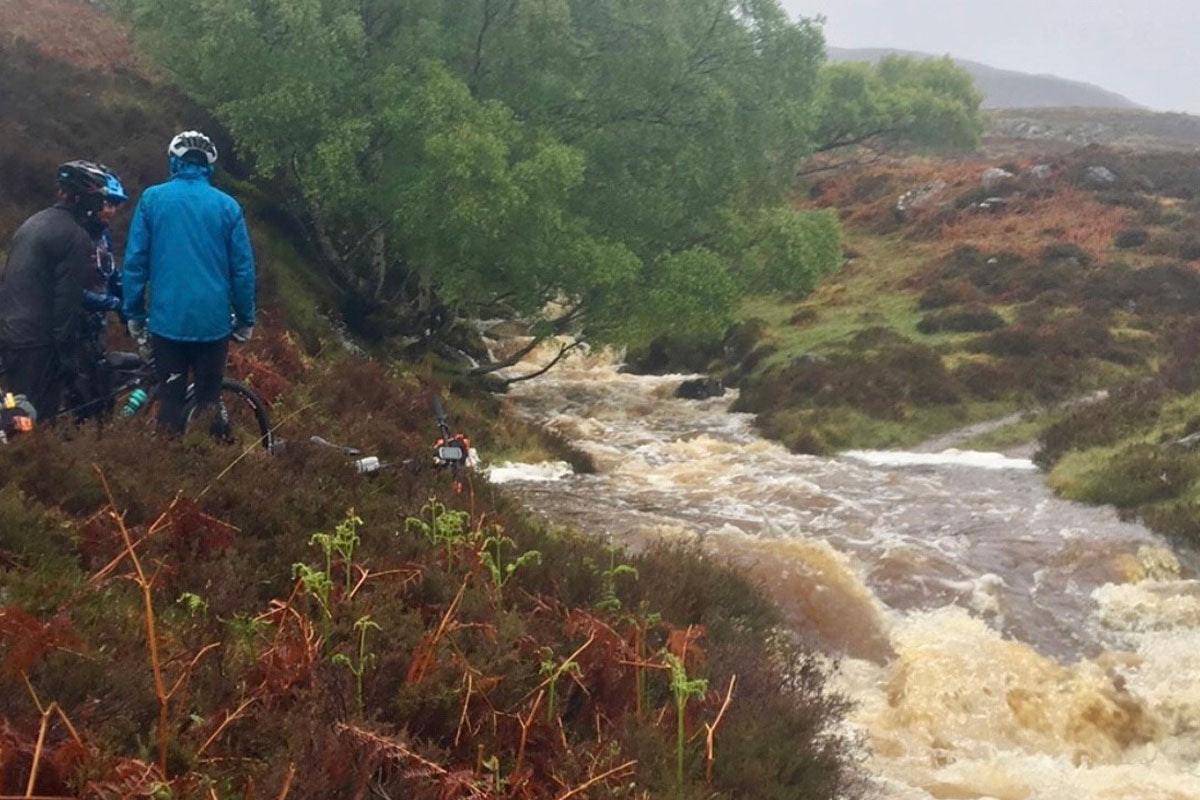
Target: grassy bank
pixel 1132 451
pixel 953 313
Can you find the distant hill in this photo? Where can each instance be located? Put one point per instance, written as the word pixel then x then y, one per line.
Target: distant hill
pixel 1004 88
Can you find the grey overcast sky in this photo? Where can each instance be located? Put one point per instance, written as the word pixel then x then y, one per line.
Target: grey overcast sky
pixel 1147 50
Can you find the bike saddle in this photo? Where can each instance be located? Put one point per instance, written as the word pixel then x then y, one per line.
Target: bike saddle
pixel 117 360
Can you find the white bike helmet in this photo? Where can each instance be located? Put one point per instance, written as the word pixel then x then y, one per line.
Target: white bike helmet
pixel 193 141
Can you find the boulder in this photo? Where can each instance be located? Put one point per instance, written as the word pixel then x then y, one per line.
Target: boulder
pixel 993 204
pixel 1189 442
pixel 918 198
pixel 700 389
pixel 807 358
pixel 1042 171
pixel 994 176
pixel 1098 176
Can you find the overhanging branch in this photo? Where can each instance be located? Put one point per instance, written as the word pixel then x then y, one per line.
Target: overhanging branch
pixel 557 327
pixel 562 352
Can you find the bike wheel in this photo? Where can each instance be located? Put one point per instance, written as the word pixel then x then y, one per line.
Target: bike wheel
pixel 244 416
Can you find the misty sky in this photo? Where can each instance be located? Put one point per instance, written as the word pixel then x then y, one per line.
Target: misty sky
pixel 1148 51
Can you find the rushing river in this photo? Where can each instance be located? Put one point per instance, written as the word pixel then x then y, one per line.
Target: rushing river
pixel 998 642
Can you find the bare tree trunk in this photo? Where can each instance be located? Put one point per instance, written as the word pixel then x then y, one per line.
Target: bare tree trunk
pixel 379 260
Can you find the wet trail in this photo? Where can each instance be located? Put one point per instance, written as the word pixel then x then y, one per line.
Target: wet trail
pixel 1001 643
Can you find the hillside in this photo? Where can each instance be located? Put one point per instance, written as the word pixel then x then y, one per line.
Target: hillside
pixel 1068 128
pixel 182 621
pixel 973 289
pixel 1004 88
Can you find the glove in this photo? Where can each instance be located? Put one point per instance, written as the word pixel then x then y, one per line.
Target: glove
pixel 242 333
pixel 137 330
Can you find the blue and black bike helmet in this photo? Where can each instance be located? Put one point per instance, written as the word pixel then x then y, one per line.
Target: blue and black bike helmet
pixel 114 192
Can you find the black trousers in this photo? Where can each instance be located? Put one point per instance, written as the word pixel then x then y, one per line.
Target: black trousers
pixel 37 373
pixel 205 361
pixel 91 392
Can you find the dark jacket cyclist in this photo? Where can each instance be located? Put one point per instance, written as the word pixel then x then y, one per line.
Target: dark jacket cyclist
pixel 40 289
pixel 189 244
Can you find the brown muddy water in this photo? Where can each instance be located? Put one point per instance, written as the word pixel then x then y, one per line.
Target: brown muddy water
pixel 999 642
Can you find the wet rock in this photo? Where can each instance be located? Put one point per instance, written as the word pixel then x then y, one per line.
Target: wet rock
pixel 504 329
pixel 1042 171
pixel 807 358
pixel 1098 176
pixel 918 198
pixel 1190 442
pixel 700 389
pixel 993 204
pixel 994 176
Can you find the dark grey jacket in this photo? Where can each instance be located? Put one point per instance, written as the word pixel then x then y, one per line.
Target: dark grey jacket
pixel 42 283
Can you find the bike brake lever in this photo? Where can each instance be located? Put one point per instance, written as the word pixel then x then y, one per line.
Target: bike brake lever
pixel 350 451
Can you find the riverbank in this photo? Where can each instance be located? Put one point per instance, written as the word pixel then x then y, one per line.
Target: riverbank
pixel 210 622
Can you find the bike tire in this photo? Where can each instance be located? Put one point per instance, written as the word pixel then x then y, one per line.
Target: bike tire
pixel 246 411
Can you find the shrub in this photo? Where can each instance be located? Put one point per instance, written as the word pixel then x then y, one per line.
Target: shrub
pixel 949 292
pixel 805 315
pixel 1131 238
pixel 667 354
pixel 1140 474
pixel 742 338
pixel 1184 245
pixel 1180 519
pixel 1011 341
pixel 987 380
pixel 1126 199
pixel 1102 423
pixel 879 373
pixel 1065 251
pixel 871 188
pixel 963 319
pixel 808 442
pixel 1181 372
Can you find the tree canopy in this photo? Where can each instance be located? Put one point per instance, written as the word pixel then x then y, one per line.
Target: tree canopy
pixel 922 104
pixel 624 162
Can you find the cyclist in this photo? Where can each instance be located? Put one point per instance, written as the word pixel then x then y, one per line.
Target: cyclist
pixel 43 279
pixel 101 294
pixel 189 241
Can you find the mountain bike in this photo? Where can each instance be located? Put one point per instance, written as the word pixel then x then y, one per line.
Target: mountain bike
pixel 135 390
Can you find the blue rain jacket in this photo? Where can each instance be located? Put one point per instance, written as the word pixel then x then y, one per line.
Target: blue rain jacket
pixel 189 250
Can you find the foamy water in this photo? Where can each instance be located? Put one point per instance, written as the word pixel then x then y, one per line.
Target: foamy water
pixel 999 642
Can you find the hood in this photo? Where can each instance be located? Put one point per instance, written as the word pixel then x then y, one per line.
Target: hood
pixel 182 169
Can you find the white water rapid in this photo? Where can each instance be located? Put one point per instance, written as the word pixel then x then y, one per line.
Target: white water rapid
pixel 998 642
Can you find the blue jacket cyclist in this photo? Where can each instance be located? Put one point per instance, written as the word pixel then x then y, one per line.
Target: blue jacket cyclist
pixel 189 255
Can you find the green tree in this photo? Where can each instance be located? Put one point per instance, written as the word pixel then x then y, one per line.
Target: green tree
pixel 626 164
pixel 899 102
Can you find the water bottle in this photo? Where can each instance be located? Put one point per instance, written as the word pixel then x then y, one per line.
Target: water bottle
pixel 368 465
pixel 136 398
